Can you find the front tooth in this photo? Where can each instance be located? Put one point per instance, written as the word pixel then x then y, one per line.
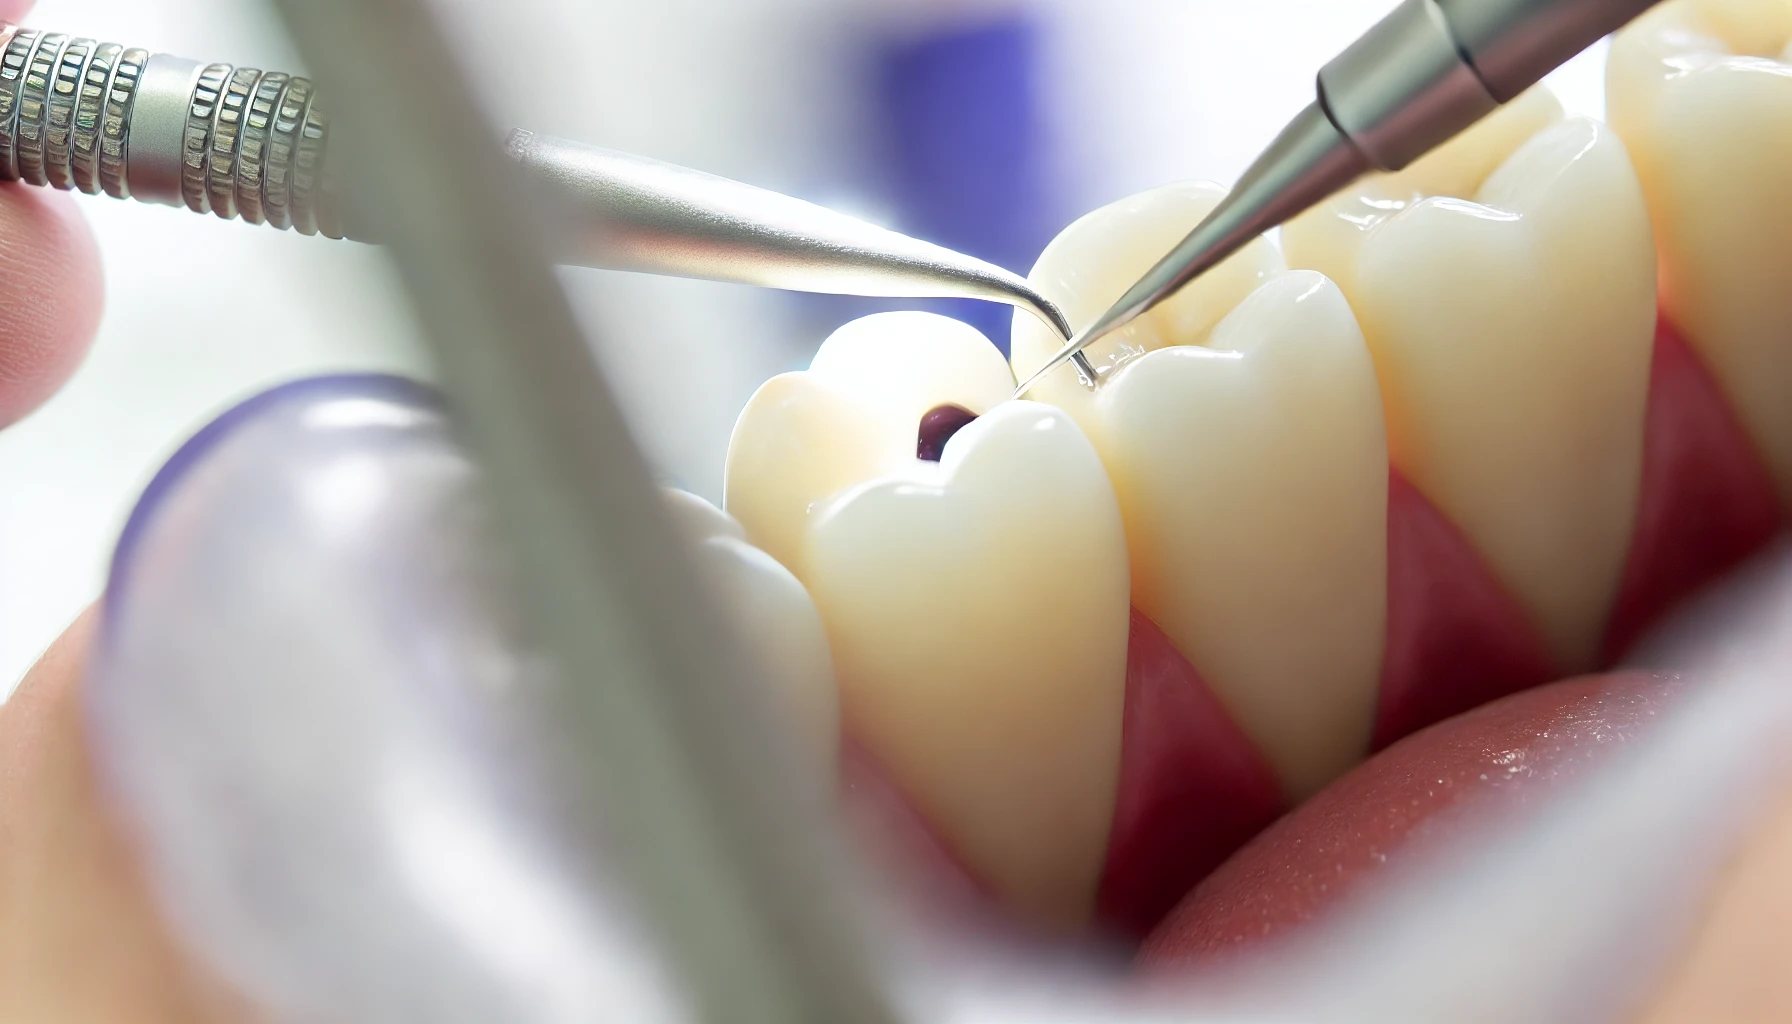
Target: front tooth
pixel 976 606
pixel 1506 286
pixel 1702 94
pixel 1251 465
pixel 774 618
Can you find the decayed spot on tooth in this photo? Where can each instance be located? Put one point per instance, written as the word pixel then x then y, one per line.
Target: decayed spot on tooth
pixel 1702 94
pixel 1506 287
pixel 976 607
pixel 774 619
pixel 850 417
pixel 1243 432
pixel 938 424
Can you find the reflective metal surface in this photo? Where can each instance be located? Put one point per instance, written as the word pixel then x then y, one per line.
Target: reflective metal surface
pixel 1310 160
pixel 1423 74
pixel 239 142
pixel 626 212
pixel 1512 44
pixel 650 721
pixel 1403 88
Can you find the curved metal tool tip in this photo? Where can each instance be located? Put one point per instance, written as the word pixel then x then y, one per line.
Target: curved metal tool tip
pixel 1072 352
pixel 620 211
pixel 1025 297
pixel 1308 161
pixel 1022 295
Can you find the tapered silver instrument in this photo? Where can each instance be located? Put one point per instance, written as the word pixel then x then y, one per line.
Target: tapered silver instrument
pixel 1423 74
pixel 243 143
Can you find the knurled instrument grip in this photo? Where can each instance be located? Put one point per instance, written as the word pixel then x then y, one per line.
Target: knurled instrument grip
pixel 241 142
pixel 215 138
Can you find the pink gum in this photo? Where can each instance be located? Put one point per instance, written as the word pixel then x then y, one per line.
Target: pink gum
pixel 1457 640
pixel 1707 500
pixel 1192 787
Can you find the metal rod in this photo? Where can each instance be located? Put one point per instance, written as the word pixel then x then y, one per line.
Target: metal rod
pixel 239 142
pixel 1420 76
pixel 658 730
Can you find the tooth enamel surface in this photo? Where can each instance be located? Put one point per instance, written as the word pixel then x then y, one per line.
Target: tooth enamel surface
pixel 1097 258
pixel 976 608
pixel 1506 286
pixel 842 421
pixel 774 618
pixel 1243 432
pixel 1702 94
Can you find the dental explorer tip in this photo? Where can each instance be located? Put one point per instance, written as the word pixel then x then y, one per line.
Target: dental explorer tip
pixel 1029 298
pixel 1308 161
pixel 1072 351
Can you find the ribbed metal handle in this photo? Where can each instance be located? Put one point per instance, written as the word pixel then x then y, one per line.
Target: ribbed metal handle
pixel 101 117
pixel 240 142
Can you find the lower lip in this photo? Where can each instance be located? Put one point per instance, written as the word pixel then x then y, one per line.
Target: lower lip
pixel 1422 788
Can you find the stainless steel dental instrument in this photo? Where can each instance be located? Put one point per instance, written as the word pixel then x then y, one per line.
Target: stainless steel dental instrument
pixel 1423 74
pixel 238 142
pixel 661 757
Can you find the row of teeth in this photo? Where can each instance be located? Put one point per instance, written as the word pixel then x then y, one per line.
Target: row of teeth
pixel 1483 322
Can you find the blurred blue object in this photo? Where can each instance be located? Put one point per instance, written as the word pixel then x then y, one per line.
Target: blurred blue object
pixel 958 121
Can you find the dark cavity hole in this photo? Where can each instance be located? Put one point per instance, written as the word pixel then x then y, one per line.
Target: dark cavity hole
pixel 938 425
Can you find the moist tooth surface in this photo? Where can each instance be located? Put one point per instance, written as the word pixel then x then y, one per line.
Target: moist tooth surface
pixel 841 422
pixel 1241 424
pixel 976 607
pixel 1701 92
pixel 1506 286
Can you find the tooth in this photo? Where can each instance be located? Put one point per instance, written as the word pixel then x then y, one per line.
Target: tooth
pixel 1702 94
pixel 1251 464
pixel 773 616
pixel 840 422
pixel 1506 287
pixel 1097 258
pixel 976 607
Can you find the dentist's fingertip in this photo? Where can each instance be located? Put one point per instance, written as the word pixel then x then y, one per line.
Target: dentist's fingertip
pixel 12 10
pixel 50 275
pixel 80 935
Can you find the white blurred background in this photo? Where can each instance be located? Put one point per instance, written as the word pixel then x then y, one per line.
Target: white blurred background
pixel 815 97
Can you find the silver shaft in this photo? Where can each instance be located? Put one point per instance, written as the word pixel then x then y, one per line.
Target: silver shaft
pixel 619 211
pixel 243 143
pixel 1423 74
pixel 664 756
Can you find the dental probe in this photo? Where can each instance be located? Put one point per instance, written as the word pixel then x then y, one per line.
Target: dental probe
pixel 1424 73
pixel 77 114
